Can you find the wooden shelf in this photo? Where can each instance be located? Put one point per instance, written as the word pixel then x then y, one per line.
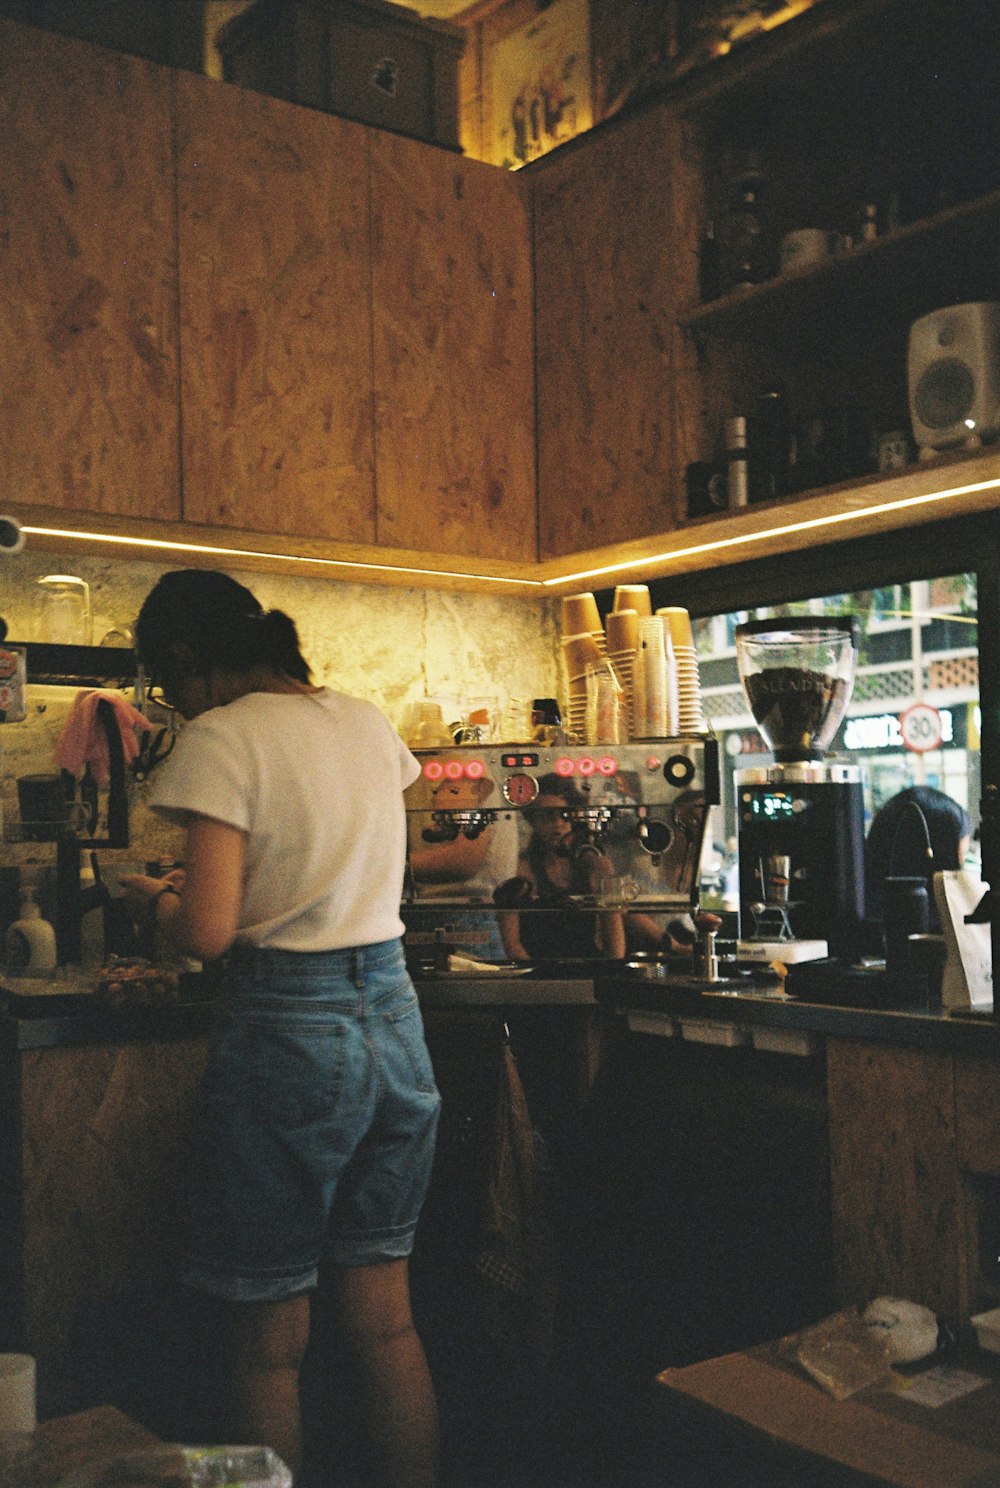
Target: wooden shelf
pixel 853 509
pixel 919 262
pixel 949 486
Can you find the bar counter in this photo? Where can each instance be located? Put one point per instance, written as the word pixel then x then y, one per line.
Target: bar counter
pixel 903 1107
pixel 40 1021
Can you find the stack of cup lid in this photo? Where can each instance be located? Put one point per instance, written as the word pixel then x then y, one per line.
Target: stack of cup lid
pixel 622 636
pixel 690 715
pixel 581 654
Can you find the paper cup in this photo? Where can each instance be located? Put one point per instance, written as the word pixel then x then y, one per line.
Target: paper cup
pixel 622 630
pixel 579 612
pixel 679 623
pixel 17 1392
pixel 581 651
pixel 633 597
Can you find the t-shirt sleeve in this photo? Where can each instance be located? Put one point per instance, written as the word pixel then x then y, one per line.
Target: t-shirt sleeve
pixel 409 768
pixel 206 775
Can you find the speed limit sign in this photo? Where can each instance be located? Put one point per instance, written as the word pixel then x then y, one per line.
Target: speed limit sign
pixel 920 727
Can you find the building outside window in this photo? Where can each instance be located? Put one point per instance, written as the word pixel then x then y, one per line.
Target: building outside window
pixel 914 716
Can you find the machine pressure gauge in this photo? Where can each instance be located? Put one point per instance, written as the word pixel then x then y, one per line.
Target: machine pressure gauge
pixel 520 790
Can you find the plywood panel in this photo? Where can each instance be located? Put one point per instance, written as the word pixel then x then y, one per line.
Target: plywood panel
pixel 275 315
pixel 452 294
pixel 898 1211
pixel 105 1136
pixel 88 399
pixel 977 1114
pixel 604 275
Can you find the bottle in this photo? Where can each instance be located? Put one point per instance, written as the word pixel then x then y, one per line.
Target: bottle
pixel 737 462
pixel 30 943
pixel 868 230
pixel 709 266
pixel 92 919
pixel 770 451
pixel 744 257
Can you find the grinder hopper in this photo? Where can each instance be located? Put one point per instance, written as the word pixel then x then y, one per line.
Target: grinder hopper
pixel 798 675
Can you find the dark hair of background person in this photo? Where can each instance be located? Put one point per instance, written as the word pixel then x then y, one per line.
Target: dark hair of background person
pixel 208 622
pixel 896 846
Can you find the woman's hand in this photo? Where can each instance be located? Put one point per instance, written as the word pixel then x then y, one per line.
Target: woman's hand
pixel 141 889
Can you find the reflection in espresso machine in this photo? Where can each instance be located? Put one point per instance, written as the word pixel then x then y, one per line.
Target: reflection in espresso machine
pixel 633 819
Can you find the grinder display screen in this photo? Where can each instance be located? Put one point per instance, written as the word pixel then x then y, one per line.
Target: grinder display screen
pixel 774 806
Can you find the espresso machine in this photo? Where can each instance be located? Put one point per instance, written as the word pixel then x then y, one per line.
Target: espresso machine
pixel 641 807
pixel 801 819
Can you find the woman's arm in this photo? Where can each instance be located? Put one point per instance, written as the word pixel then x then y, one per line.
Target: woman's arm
pixel 202 919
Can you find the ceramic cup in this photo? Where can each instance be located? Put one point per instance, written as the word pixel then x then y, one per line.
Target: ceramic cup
pixel 806 246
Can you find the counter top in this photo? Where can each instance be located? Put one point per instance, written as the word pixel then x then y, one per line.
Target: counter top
pixel 946 1032
pixel 659 1001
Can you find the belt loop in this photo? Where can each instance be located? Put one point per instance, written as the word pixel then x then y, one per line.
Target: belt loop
pixel 357 968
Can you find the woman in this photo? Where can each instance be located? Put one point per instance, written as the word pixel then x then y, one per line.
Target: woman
pixel 917 833
pixel 556 864
pixel 318 1114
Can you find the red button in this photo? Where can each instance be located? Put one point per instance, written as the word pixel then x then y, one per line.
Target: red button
pixel 586 766
pixel 475 769
pixel 434 769
pixel 454 769
pixel 564 766
pixel 606 765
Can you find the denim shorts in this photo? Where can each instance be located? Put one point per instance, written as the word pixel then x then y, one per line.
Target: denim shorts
pixel 316 1123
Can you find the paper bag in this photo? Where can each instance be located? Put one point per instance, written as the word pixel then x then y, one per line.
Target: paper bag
pixel 968 970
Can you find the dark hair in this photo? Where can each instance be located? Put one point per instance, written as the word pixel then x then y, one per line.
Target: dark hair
pixel 214 624
pixel 898 841
pixel 558 785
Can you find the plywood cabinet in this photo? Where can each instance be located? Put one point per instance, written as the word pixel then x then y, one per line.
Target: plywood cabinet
pixel 275 315
pixel 899 1210
pixel 608 281
pixel 88 335
pixel 454 391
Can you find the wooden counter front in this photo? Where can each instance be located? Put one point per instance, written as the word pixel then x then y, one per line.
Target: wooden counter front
pixel 93 1140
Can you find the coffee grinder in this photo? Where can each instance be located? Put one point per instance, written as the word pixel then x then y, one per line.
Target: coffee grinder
pixel 801 819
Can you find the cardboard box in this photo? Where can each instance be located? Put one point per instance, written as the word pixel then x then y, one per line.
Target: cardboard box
pixel 879 1432
pixel 362 59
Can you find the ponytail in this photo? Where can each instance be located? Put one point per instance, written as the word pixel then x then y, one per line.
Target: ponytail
pixel 218 623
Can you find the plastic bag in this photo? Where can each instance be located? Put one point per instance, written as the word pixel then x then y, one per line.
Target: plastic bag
pixel 186 1467
pixel 842 1353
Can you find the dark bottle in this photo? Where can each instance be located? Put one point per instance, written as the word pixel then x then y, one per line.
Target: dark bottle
pixel 744 253
pixel 709 266
pixel 770 447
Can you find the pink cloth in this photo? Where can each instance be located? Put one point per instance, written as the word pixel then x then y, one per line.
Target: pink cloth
pixel 83 740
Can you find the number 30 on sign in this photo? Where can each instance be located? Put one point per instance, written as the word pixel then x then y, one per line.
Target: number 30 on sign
pixel 920 726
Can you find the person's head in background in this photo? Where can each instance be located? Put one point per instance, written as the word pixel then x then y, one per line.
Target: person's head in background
pixel 549 815
pixel 200 634
pixel 919 832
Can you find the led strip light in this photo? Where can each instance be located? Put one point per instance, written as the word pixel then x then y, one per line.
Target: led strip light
pixel 670 555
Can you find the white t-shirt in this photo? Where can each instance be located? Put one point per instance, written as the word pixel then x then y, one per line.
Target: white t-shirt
pixel 316 782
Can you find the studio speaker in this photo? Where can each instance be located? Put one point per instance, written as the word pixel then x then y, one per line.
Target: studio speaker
pixel 953 374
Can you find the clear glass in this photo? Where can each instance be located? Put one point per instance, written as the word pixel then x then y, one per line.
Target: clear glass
pixel 63 610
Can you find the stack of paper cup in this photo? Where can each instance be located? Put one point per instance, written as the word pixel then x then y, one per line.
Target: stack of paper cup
pixel 652 676
pixel 633 597
pixel 604 724
pixel 579 614
pixel 690 715
pixel 581 654
pixel 622 635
